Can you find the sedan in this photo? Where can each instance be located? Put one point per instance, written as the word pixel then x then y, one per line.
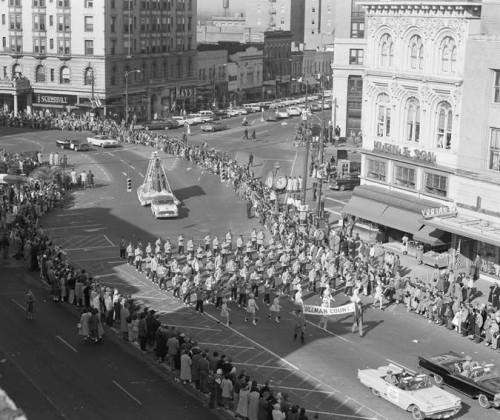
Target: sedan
pixel 214 126
pixel 103 141
pixel 79 146
pixel 64 143
pixel 232 112
pixel 347 183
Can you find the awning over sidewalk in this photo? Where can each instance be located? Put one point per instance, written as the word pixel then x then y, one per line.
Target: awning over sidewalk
pixel 468 226
pixel 432 236
pixel 388 208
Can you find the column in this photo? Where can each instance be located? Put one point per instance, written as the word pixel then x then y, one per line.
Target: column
pixel 15 104
pixel 29 102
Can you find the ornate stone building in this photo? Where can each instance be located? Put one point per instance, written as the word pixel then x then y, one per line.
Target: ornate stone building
pixel 426 91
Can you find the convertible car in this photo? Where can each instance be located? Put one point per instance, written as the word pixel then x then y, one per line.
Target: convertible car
pixel 475 379
pixel 410 391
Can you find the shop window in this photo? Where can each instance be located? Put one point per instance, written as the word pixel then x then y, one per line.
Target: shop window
pixel 404 177
pixel 444 126
pixel 496 87
pixel 383 116
pixel 64 76
pixel 412 120
pixel 436 184
pixel 376 169
pixel 494 162
pixel 40 74
pixel 490 259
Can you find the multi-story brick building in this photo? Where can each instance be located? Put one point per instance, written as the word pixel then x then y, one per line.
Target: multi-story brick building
pixel 62 54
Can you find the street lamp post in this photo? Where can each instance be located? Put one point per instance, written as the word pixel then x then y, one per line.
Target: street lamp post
pixel 321 146
pixel 126 90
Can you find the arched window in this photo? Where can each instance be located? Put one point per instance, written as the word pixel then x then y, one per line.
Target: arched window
pixel 416 53
pixel 17 71
pixel 65 76
pixel 448 53
pixel 40 74
pixel 88 77
pixel 444 125
pixel 386 51
pixel 413 120
pixel 383 116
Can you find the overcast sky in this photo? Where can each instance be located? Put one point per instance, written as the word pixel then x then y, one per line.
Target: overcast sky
pixel 215 6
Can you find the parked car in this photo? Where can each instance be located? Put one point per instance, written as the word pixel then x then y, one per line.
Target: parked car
pixel 214 126
pixel 252 107
pixel 207 116
pixel 347 183
pixel 63 143
pixel 161 124
pixel 282 113
pixel 194 119
pixel 181 121
pixel 220 113
pixel 410 391
pixel 79 145
pixel 294 111
pixel 102 141
pixel 314 106
pixel 478 380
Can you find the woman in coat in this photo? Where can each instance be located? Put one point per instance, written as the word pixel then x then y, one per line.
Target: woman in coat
pixel 185 367
pixel 242 408
pixel 253 402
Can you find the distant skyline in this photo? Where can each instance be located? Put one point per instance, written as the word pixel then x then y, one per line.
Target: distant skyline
pixel 214 7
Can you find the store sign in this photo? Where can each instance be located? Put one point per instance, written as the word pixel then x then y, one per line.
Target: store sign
pixel 394 149
pixel 182 92
pixel 64 100
pixel 439 212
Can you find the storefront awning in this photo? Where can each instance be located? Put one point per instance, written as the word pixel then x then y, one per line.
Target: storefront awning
pixel 388 208
pixel 468 226
pixel 430 235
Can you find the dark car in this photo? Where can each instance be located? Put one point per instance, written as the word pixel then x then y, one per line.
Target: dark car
pixel 315 107
pixel 347 183
pixel 79 146
pixel 214 126
pixel 478 380
pixel 161 124
pixel 64 143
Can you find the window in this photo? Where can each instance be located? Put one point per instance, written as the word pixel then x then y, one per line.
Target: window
pixel 357 30
pixel 63 23
pixel 40 74
pixel 3 19
pixel 89 4
pixel 356 56
pixel 386 51
pixel 376 169
pixel 383 116
pixel 496 92
pixel 39 22
pixel 16 43
pixel 413 120
pixel 39 45
pixel 416 53
pixel 52 75
pixel 404 176
pixel 113 46
pixel 17 70
pixel 448 53
pixel 113 76
pixel 63 4
pixel 51 20
pixel 65 76
pixel 89 47
pixel 444 125
pixel 15 3
pixel 495 149
pixel 4 42
pixel 88 77
pixel 51 43
pixel 436 184
pixel 89 23
pixel 63 46
pixel 15 22
pixel 38 3
pixel 113 24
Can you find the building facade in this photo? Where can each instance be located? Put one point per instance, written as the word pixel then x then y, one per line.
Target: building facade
pixel 431 102
pixel 212 90
pixel 348 67
pixel 277 64
pixel 83 50
pixel 249 74
pixel 319 24
pixel 316 66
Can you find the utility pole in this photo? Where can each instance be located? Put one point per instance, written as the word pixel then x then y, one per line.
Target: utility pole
pixel 306 158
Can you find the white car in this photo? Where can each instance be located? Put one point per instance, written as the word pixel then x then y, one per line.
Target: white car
pixel 232 112
pixel 102 141
pixel 194 119
pixel 180 120
pixel 282 113
pixel 165 206
pixel 294 111
pixel 410 391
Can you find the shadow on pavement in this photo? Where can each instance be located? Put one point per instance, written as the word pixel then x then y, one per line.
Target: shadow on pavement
pixel 189 192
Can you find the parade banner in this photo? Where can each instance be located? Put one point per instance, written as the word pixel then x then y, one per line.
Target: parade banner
pixel 321 310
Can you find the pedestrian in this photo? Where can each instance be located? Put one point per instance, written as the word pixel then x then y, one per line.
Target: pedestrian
pixel 250 159
pixel 242 407
pixel 224 312
pixel 143 332
pixel 186 363
pixel 245 134
pixel 249 209
pixel 254 136
pixel 252 307
pixel 123 248
pixel 358 313
pixel 300 325
pixel 29 299
pixel 274 309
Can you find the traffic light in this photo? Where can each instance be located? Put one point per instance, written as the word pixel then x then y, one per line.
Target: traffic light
pixel 129 185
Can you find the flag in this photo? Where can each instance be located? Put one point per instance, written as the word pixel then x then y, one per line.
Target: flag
pixel 460 262
pixel 98 101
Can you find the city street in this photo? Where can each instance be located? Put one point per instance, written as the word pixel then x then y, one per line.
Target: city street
pixel 320 375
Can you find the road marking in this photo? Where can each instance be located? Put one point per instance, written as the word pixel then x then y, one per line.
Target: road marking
pixel 337 201
pixel 141 174
pixel 124 173
pixel 293 165
pixel 18 304
pixel 89 247
pixel 62 340
pixel 94 229
pixel 126 392
pixel 109 240
pixel 117 261
pixel 228 345
pixel 151 297
pixel 333 211
pixel 261 366
pixel 100 276
pixel 340 415
pixel 193 328
pixel 72 226
pixel 68 215
pixel 132 167
pixel 303 389
pixel 277 160
pixel 326 331
pixel 257 344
